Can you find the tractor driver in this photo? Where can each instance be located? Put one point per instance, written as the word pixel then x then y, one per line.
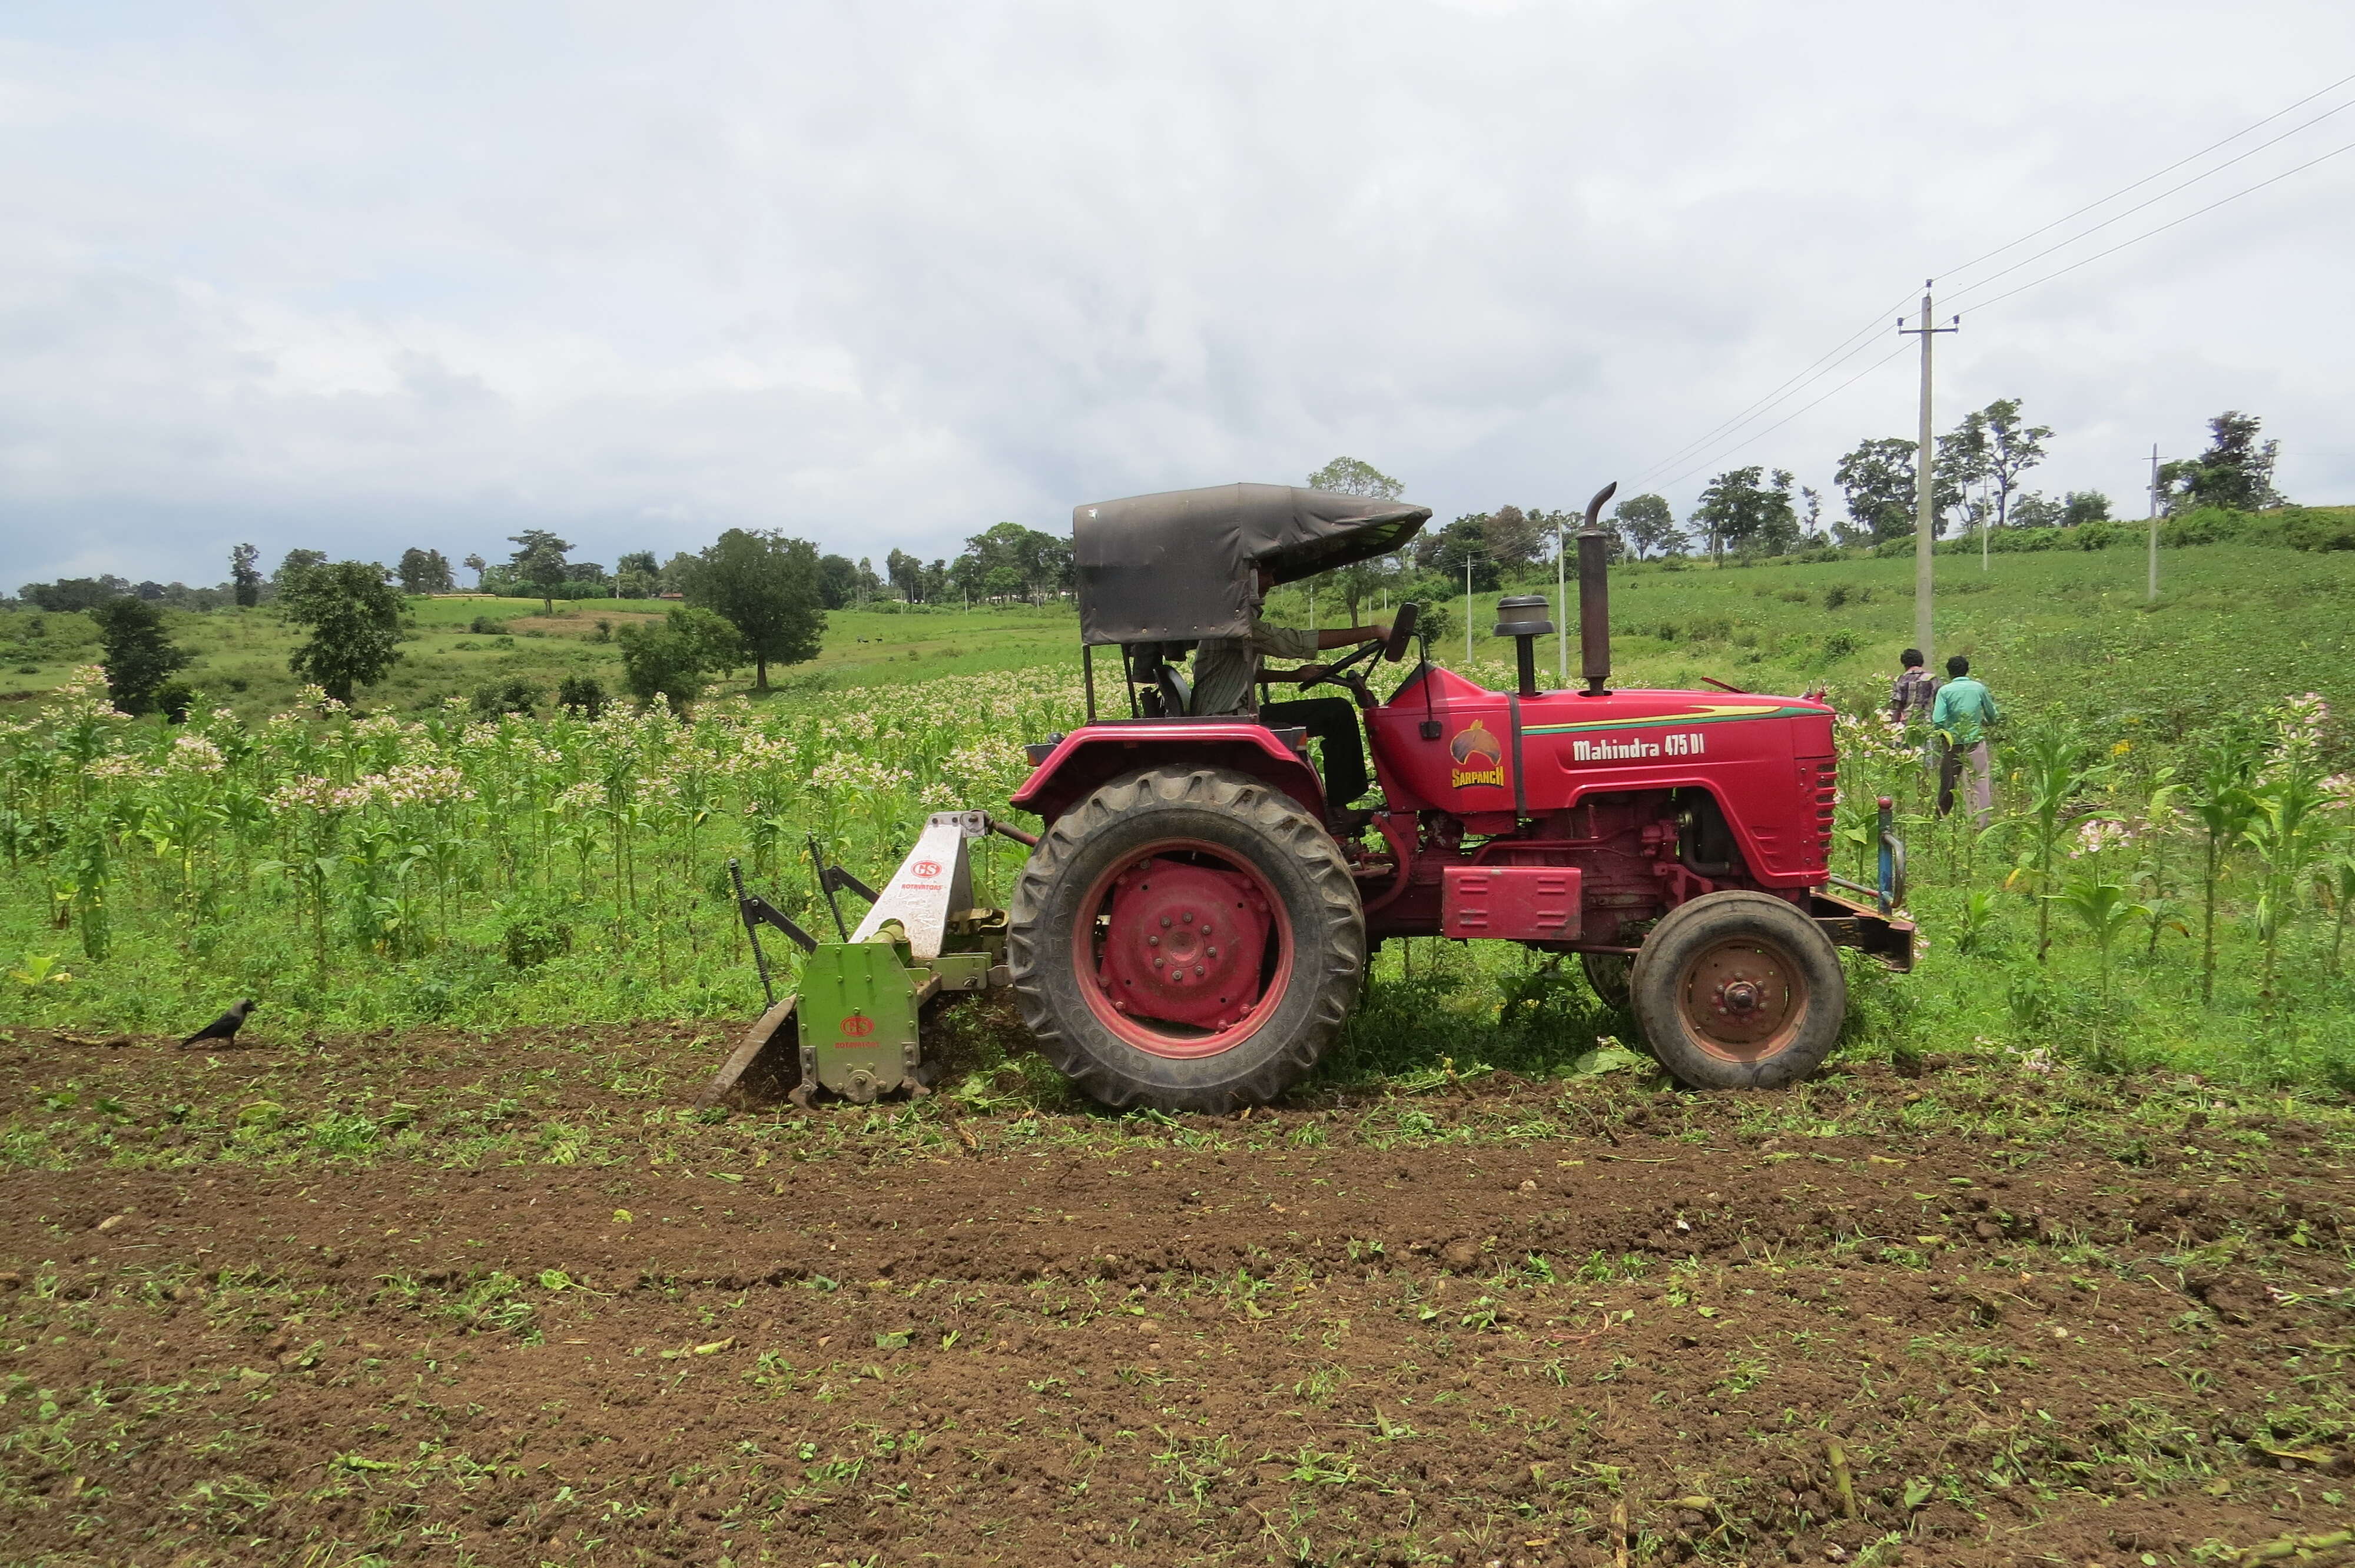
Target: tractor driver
pixel 1226 669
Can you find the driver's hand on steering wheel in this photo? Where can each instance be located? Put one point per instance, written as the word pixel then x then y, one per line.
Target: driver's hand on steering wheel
pixel 1308 674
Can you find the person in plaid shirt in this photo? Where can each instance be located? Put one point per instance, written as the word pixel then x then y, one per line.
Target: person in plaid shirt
pixel 1911 693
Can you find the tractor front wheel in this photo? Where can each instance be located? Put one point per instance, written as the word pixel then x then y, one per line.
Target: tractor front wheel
pixel 1185 939
pixel 1738 990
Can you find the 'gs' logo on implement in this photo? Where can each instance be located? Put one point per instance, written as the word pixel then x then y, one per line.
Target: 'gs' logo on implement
pixel 1478 759
pixel 858 1026
pixel 926 868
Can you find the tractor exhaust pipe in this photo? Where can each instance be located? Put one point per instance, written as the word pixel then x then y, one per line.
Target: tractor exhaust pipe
pixel 1594 596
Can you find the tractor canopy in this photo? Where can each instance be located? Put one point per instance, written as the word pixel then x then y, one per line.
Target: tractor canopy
pixel 1178 567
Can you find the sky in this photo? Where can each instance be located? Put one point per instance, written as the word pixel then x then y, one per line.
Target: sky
pixel 358 277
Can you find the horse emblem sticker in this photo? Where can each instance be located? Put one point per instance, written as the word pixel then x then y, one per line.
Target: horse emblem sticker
pixel 1478 759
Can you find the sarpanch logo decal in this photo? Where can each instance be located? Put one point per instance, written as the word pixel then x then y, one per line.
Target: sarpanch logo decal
pixel 1478 759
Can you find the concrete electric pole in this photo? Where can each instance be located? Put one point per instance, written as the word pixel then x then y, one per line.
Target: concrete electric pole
pixel 2154 523
pixel 1925 509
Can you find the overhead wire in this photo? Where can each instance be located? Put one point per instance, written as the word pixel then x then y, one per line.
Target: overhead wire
pixel 1967 290
pixel 2096 255
pixel 1851 346
pixel 2155 173
pixel 1724 452
pixel 1836 356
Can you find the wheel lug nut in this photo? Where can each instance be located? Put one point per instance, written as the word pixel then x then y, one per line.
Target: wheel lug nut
pixel 1152 941
pixel 1189 917
pixel 1214 952
pixel 1165 922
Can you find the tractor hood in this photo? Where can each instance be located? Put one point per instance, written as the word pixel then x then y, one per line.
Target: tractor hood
pixel 1177 567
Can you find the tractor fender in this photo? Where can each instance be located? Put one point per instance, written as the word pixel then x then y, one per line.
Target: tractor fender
pixel 1094 755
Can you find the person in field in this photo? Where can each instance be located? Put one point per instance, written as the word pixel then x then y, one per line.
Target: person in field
pixel 1911 693
pixel 1227 668
pixel 1959 718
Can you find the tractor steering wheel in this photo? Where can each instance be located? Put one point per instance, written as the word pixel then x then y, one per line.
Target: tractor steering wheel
pixel 1358 655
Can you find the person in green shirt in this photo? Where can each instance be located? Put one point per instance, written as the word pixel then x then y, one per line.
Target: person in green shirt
pixel 1959 718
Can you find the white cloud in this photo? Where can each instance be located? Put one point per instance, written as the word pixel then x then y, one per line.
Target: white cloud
pixel 885 275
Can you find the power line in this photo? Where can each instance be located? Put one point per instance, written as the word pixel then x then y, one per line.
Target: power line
pixel 2188 157
pixel 2162 196
pixel 1850 347
pixel 2121 245
pixel 1838 355
pixel 1724 452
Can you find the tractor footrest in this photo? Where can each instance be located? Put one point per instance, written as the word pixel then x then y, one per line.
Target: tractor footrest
pixel 1886 938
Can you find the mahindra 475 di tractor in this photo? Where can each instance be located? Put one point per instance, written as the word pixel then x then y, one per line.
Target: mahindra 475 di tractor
pixel 1191 927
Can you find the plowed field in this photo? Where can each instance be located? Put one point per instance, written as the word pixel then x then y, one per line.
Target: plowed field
pixel 453 1300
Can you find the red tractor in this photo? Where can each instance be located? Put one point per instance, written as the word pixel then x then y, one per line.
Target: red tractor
pixel 1191 929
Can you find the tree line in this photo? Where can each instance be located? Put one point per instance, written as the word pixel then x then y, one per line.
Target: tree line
pixel 1977 476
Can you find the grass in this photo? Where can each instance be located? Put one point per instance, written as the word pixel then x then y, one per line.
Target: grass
pixel 239 657
pixel 536 895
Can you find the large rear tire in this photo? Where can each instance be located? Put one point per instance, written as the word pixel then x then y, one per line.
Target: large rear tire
pixel 1233 881
pixel 1738 990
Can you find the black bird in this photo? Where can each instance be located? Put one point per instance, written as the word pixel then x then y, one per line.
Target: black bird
pixel 226 1026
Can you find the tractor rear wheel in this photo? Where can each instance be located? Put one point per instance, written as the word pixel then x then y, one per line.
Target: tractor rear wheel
pixel 1738 990
pixel 1185 939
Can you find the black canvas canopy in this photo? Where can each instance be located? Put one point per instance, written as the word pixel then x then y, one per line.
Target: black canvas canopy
pixel 1177 567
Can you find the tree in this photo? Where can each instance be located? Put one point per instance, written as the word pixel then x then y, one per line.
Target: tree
pixel 766 586
pixel 676 659
pixel 355 621
pixel 425 571
pixel 136 650
pixel 636 574
pixel 936 581
pixel 2234 472
pixel 2011 450
pixel 1647 524
pixel 1348 476
pixel 2082 506
pixel 68 594
pixel 245 577
pixel 476 565
pixel 291 569
pixel 1446 551
pixel 2034 509
pixel 1009 561
pixel 539 563
pixel 906 573
pixel 1879 480
pixel 1749 511
pixel 1513 538
pixel 837 580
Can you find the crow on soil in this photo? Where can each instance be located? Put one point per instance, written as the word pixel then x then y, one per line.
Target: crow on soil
pixel 225 1027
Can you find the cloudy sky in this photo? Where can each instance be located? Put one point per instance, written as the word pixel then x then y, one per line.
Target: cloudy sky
pixel 357 278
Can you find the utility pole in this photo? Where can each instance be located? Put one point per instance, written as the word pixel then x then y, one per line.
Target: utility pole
pixel 1467 612
pixel 1562 594
pixel 2154 523
pixel 1925 509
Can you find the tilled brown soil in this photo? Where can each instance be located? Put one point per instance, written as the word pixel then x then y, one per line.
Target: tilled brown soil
pixel 1688 1342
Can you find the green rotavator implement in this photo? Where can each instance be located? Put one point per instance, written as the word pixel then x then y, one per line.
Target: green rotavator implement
pixel 856 1016
pixel 1192 926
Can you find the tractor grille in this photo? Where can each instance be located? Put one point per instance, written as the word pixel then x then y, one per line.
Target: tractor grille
pixel 1826 806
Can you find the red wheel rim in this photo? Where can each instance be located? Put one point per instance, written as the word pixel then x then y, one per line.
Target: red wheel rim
pixel 1743 1000
pixel 1093 934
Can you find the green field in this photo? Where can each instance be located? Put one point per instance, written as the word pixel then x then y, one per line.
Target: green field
pixel 550 870
pixel 240 656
